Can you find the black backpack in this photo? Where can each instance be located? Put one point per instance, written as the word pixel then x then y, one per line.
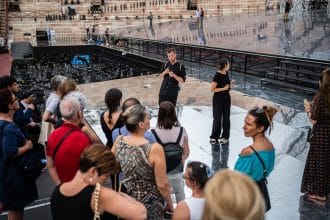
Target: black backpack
pixel 173 151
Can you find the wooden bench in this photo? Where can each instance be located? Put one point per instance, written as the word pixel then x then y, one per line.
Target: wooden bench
pixel 277 76
pixel 287 85
pixel 310 74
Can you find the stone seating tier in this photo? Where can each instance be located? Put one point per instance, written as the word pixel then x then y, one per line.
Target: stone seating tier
pixel 34 13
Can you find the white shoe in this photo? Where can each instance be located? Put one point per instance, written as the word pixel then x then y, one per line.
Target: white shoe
pixel 223 141
pixel 213 141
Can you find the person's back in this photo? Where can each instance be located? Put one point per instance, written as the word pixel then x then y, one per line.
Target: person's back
pixel 138 176
pixel 68 154
pixel 65 207
pixel 195 206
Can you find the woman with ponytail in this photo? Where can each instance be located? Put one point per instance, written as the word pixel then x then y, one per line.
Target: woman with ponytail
pixel 256 123
pixel 260 155
pixel 196 176
pixel 110 119
pixel 316 178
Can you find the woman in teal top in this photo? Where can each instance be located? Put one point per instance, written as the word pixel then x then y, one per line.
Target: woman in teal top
pixel 251 166
pixel 256 122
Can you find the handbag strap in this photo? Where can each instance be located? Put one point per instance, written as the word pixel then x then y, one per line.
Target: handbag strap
pixel 61 141
pixel 262 162
pixel 159 141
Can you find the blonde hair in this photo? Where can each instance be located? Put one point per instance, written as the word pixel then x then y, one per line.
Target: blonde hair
pixel 230 195
pixel 67 86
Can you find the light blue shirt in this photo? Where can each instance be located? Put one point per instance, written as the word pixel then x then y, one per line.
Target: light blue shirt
pixel 123 131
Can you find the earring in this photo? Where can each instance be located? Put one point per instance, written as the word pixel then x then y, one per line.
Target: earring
pixel 90 180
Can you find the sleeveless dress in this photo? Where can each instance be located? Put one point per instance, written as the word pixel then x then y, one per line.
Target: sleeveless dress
pixel 74 207
pixel 138 177
pixel 316 178
pixel 107 131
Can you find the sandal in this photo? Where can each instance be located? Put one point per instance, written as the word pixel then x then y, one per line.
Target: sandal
pixel 317 199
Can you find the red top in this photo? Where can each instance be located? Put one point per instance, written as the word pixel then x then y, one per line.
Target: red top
pixel 68 154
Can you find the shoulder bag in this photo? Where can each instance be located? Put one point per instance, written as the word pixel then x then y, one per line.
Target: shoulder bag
pixel 262 184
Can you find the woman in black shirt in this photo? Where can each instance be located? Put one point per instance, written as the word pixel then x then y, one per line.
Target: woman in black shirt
pixel 221 103
pixel 84 196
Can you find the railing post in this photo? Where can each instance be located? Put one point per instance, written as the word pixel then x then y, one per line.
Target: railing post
pixel 245 63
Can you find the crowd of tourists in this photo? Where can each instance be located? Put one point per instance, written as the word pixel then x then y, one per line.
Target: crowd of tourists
pixel 142 165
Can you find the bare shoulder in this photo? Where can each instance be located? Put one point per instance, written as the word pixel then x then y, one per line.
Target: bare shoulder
pixel 156 148
pixel 246 151
pixel 181 211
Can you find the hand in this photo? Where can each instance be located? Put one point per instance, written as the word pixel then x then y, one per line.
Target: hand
pixel 31 106
pixel 169 208
pixel 32 124
pixel 166 71
pixel 29 144
pixel 307 106
pixel 226 87
pixel 171 74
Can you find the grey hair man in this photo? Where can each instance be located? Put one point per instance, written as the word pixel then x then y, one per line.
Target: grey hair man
pixel 49 116
pixel 53 99
pixel 63 161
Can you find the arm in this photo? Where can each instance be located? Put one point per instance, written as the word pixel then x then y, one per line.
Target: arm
pixel 186 150
pixel 114 146
pixel 163 73
pixel 215 89
pixel 47 117
pixel 157 159
pixel 121 205
pixel 52 170
pixel 181 212
pixel 10 144
pixel 26 147
pixel 308 110
pixel 176 77
pixel 89 132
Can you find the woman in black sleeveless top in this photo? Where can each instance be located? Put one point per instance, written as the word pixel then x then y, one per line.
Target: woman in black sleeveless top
pixel 76 199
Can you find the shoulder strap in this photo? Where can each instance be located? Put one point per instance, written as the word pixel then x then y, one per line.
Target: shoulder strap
pixel 180 135
pixel 61 141
pixel 262 162
pixel 159 141
pixel 156 136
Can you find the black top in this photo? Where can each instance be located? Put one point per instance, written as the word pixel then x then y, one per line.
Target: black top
pixel 170 86
pixel 107 131
pixel 74 207
pixel 221 81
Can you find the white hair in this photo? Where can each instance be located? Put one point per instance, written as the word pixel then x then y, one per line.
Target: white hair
pixel 69 107
pixel 80 96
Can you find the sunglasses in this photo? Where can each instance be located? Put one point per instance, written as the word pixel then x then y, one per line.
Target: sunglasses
pixel 260 110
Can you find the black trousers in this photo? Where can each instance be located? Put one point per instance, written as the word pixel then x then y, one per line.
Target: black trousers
pixel 221 117
pixel 163 98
